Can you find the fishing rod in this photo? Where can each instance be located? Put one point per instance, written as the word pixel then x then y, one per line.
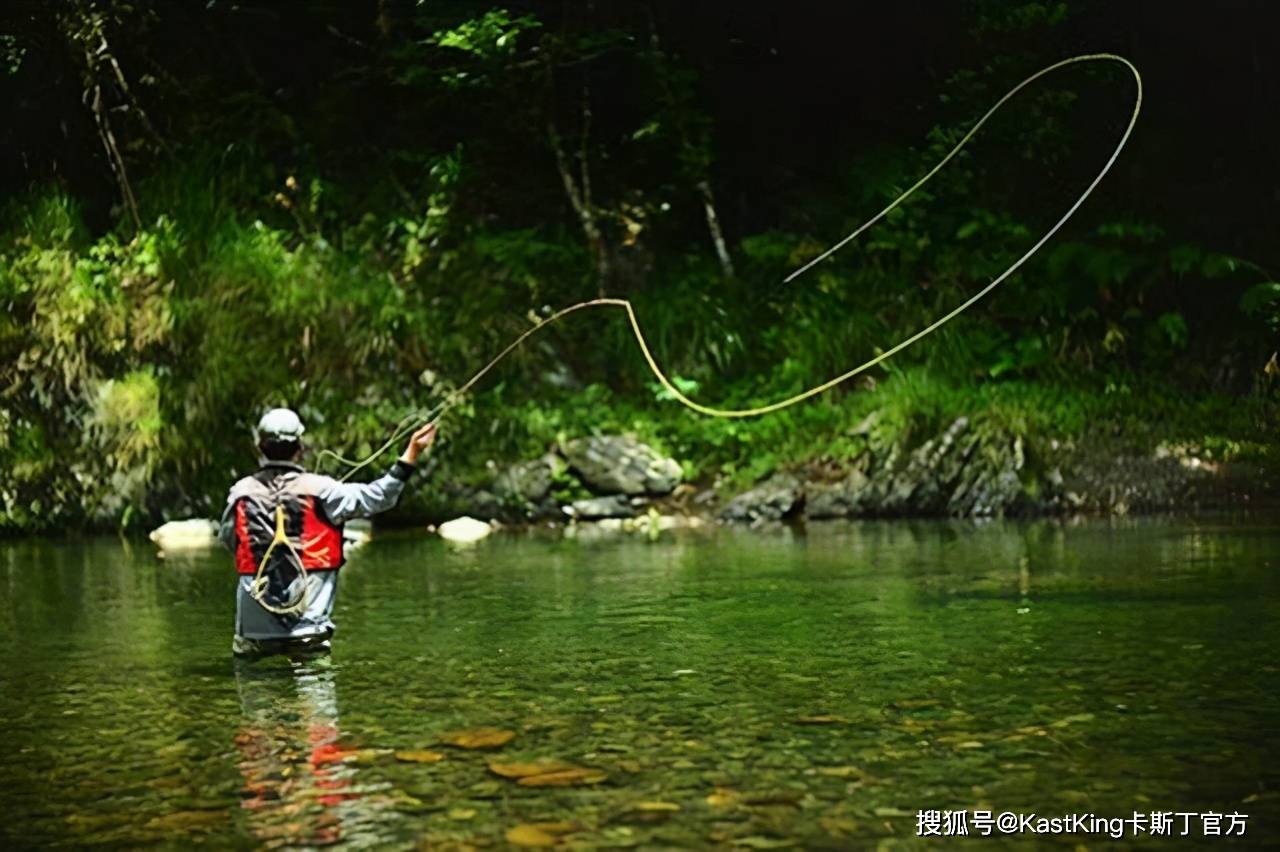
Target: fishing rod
pixel 416 419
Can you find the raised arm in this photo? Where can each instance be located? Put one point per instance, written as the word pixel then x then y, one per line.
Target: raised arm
pixel 344 501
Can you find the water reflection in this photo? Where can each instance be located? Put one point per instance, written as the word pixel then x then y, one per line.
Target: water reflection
pixel 301 784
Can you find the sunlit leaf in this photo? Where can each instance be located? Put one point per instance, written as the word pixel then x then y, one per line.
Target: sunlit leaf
pixel 575 777
pixel 478 738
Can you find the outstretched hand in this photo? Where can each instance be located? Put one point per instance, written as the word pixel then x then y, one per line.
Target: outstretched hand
pixel 419 442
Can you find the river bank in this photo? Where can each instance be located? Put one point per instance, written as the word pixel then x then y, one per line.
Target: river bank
pixel 909 448
pixel 965 470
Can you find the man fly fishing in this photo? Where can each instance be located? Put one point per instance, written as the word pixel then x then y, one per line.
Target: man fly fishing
pixel 284 527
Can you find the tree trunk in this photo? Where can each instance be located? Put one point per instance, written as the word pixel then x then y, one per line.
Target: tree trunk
pixel 580 200
pixel 713 225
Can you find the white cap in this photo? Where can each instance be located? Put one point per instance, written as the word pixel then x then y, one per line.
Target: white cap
pixel 279 424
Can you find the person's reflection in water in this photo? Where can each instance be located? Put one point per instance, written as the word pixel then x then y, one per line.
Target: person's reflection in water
pixel 300 784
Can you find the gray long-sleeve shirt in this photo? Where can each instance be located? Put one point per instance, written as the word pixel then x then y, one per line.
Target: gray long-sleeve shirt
pixel 340 502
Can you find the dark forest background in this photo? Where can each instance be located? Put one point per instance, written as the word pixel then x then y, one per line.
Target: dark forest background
pixel 348 207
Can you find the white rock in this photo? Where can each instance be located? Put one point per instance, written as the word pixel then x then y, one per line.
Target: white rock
pixel 679 522
pixel 193 534
pixel 357 531
pixel 464 530
pixel 355 535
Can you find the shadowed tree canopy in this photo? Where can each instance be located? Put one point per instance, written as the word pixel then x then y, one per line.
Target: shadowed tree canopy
pixel 349 206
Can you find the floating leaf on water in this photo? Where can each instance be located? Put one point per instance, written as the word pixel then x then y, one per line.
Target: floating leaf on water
pixel 822 720
pixel 566 778
pixel 723 797
pixel 420 755
pixel 841 771
pixel 529 835
pixel 891 812
pixel 649 812
pixel 528 768
pixel 477 738
pixel 758 842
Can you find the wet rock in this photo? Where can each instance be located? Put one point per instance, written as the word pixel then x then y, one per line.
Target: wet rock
pixel 483 504
pixel 618 464
pixel 924 485
pixel 612 506
pixel 992 486
pixel 962 471
pixel 854 495
pixel 357 530
pixel 530 481
pixel 193 534
pixel 356 534
pixel 772 500
pixel 1121 484
pixel 464 530
pixel 605 528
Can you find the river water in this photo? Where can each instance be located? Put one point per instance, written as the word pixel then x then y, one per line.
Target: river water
pixel 749 689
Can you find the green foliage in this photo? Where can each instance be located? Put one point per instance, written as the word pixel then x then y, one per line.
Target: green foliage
pixel 360 269
pixel 1263 301
pixel 11 53
pixel 492 34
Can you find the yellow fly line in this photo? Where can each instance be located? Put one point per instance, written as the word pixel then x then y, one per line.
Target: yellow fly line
pixel 417 419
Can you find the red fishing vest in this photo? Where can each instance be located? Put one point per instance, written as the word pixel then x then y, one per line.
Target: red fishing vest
pixel 280 489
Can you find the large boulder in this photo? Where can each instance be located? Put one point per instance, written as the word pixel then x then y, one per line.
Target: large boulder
pixel 932 473
pixel 772 500
pixel 991 485
pixel 963 471
pixel 529 482
pixel 618 464
pixel 854 495
pixel 193 534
